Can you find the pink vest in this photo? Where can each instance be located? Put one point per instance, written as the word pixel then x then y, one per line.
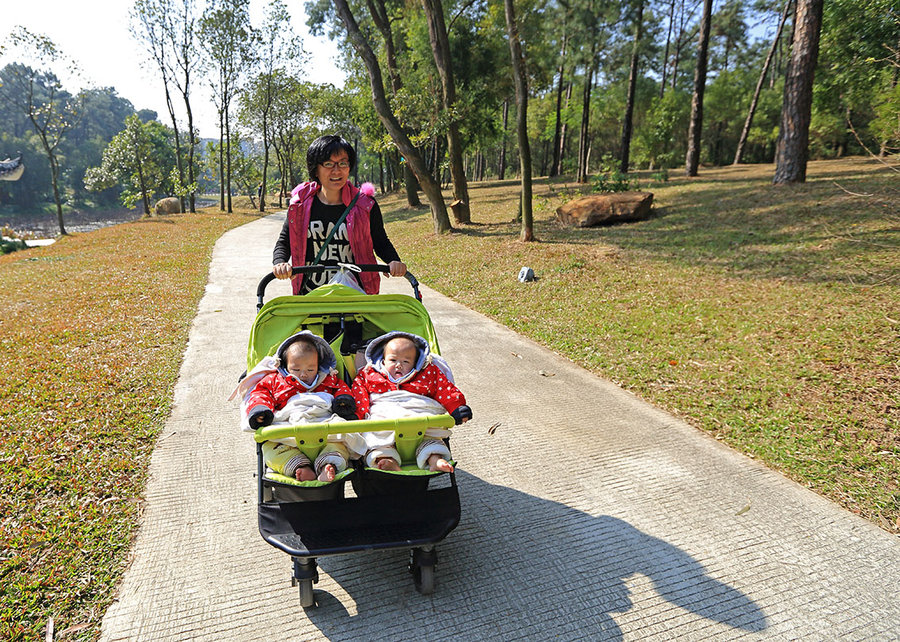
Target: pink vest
pixel 357 229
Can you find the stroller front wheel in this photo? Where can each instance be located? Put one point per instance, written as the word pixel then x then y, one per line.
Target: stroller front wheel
pixel 307 596
pixel 423 577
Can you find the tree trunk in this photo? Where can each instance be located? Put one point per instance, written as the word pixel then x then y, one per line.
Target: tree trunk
pixel 745 132
pixel 192 144
pixel 54 176
pixel 386 116
pixel 692 162
pixel 228 156
pixel 179 161
pixel 144 195
pixel 632 83
pixel 665 66
pixel 381 19
pixel 796 110
pixel 554 165
pixel 563 135
pixel 221 161
pixel 583 142
pixel 501 171
pixel 521 80
pixel 440 49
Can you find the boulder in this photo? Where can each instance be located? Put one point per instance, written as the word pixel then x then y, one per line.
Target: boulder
pixel 170 205
pixel 605 209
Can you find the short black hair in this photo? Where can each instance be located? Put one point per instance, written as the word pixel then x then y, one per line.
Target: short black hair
pixel 322 148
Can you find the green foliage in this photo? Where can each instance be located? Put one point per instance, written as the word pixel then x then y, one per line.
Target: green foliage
pixel 139 161
pixel 659 143
pixel 9 244
pixel 886 124
pixel 610 178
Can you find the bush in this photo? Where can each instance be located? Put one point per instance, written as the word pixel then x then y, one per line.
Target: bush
pixel 10 241
pixel 610 178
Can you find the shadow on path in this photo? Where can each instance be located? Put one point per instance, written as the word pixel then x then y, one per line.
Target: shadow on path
pixel 532 567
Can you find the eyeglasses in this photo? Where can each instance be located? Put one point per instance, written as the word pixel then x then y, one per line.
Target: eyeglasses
pixel 332 164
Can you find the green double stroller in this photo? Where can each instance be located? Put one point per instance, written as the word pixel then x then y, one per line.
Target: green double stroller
pixel 413 508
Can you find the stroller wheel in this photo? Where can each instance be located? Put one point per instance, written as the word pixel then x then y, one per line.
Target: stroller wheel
pixel 307 597
pixel 423 578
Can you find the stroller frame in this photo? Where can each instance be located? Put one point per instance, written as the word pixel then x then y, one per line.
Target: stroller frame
pixel 390 511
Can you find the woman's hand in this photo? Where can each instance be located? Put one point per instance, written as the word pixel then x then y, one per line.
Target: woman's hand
pixel 282 270
pixel 398 268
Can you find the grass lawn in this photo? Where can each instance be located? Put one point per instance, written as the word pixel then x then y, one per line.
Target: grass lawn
pixel 93 329
pixel 766 316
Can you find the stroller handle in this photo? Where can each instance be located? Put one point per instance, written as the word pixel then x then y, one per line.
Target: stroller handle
pixel 314 269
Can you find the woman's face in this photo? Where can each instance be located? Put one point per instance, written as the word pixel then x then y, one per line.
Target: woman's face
pixel 336 175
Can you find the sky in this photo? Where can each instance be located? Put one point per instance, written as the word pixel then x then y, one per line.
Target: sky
pixel 95 34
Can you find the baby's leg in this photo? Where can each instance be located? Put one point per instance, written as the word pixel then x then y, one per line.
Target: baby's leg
pixel 386 463
pixel 287 460
pixel 433 455
pixel 386 458
pixel 331 460
pixel 438 463
pixel 305 473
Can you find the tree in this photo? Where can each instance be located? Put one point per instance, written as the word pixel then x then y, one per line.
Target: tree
pixel 692 161
pixel 103 116
pixel 440 46
pixel 383 21
pixel 229 42
pixel 183 41
pixel 791 152
pixel 431 188
pixel 745 132
pixel 277 47
pixel 150 21
pixel 39 94
pixel 520 76
pixel 138 159
pixel 632 84
pixel 168 29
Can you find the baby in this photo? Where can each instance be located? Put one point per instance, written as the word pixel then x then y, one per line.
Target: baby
pixel 400 378
pixel 303 389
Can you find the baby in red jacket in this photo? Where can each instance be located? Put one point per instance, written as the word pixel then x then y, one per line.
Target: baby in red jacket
pixel 303 389
pixel 400 379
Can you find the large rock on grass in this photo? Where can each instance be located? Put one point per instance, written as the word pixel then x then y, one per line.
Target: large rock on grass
pixel 606 209
pixel 170 205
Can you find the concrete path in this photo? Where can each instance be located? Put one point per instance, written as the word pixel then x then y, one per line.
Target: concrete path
pixel 586 515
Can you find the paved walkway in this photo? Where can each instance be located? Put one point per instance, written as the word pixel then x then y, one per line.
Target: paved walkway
pixel 586 515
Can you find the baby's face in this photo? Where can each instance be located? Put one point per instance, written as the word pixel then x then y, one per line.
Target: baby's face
pixel 399 357
pixel 303 366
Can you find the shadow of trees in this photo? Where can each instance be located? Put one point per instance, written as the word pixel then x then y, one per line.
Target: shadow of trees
pixel 527 567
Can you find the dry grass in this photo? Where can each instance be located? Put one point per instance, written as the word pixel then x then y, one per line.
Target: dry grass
pixel 766 316
pixel 93 329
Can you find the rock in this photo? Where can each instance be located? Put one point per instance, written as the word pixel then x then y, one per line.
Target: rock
pixel 170 205
pixel 605 209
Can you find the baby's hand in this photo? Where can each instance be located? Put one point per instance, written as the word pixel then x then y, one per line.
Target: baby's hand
pixel 462 414
pixel 261 418
pixel 344 406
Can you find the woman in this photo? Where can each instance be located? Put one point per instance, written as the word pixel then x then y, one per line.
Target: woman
pixel 316 206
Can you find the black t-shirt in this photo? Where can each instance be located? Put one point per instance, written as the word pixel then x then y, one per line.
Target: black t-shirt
pixel 322 218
